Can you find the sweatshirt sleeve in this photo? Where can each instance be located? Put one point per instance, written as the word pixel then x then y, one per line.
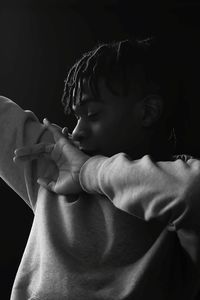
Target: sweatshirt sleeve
pixel 168 191
pixel 19 128
pixel 144 188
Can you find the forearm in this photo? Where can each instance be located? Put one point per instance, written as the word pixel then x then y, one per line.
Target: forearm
pixel 19 128
pixel 142 187
pixel 169 191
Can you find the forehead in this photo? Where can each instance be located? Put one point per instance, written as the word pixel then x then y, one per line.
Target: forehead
pixel 100 92
pixel 103 96
pixel 85 93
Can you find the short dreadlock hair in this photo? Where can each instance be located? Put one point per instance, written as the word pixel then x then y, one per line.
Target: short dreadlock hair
pixel 118 63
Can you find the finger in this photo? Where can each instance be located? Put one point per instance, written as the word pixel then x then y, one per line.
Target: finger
pixel 34 149
pixel 65 132
pixel 25 158
pixel 57 126
pixel 46 183
pixel 17 160
pixel 53 128
pixel 73 142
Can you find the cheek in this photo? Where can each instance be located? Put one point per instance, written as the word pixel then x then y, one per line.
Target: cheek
pixel 97 129
pixel 112 136
pixel 104 133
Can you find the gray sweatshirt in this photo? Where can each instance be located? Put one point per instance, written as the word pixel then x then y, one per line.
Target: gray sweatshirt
pixel 132 234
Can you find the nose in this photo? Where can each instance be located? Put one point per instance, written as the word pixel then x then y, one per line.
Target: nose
pixel 81 131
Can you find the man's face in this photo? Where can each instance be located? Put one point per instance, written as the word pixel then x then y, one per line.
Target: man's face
pixel 109 124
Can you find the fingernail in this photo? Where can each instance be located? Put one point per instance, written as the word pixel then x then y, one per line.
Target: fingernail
pixel 65 131
pixel 46 121
pixel 16 160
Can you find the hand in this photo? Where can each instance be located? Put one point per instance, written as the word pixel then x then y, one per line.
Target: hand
pixel 67 157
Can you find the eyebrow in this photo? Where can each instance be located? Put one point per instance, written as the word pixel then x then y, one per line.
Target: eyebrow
pixel 85 100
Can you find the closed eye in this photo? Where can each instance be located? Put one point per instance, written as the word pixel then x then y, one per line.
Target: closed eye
pixel 93 115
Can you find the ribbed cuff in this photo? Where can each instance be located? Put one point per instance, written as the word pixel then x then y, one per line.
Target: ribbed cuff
pixel 89 176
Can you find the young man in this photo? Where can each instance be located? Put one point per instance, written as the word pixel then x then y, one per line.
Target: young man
pixel 111 220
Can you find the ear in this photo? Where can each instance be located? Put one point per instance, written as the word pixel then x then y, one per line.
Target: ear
pixel 152 109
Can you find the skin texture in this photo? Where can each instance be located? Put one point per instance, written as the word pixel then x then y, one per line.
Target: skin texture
pixel 106 125
pixel 110 124
pixel 67 157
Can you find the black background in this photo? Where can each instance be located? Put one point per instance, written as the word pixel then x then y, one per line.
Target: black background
pixel 40 40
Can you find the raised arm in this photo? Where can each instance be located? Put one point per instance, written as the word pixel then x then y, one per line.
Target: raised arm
pixel 19 128
pixel 169 191
pixel 142 187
